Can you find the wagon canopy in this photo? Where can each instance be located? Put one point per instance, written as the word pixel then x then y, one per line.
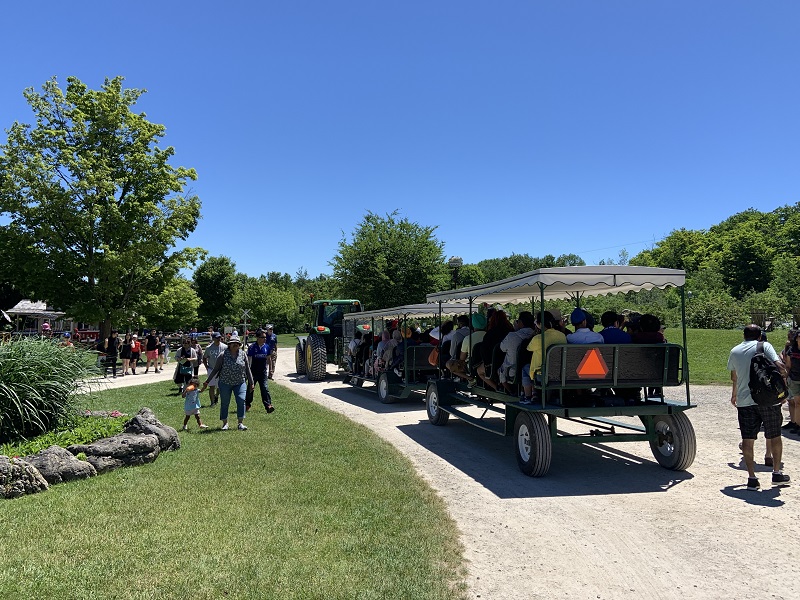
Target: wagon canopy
pixel 566 282
pixel 420 311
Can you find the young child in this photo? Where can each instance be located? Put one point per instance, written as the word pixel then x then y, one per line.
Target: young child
pixel 191 403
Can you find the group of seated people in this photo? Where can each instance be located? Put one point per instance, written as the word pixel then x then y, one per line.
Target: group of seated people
pixel 475 352
pixel 368 355
pixel 466 346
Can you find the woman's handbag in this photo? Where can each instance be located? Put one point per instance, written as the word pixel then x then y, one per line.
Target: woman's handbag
pixel 433 357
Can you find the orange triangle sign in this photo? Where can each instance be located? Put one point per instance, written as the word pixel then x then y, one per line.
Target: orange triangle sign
pixel 593 366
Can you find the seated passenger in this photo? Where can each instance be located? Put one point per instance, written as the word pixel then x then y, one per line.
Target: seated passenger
pixel 459 367
pixel 560 324
pixel 582 335
pixel 499 327
pixel 462 329
pixel 510 345
pixel 649 331
pixel 530 372
pixel 612 334
pixel 352 349
pixel 380 349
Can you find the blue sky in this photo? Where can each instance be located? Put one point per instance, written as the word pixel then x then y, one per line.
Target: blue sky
pixel 619 120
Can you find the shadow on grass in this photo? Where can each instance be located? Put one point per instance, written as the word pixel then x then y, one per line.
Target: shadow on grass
pixel 575 470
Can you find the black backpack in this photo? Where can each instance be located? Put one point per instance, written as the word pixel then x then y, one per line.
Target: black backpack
pixel 767 386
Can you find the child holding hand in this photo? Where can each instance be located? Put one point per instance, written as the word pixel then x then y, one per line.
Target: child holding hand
pixel 191 403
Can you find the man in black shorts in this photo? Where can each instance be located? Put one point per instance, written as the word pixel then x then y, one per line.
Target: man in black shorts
pixel 751 415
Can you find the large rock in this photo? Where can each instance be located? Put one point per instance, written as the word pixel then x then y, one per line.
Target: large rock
pixel 145 422
pixel 18 478
pixel 57 464
pixel 121 450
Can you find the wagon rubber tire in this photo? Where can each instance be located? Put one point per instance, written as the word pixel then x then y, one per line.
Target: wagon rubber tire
pixel 383 389
pixel 299 360
pixel 676 444
pixel 435 414
pixel 316 358
pixel 532 444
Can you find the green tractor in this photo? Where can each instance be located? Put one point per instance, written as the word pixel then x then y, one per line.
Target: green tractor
pixel 324 342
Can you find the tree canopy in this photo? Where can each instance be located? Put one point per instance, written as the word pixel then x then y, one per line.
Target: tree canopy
pixel 95 207
pixel 390 262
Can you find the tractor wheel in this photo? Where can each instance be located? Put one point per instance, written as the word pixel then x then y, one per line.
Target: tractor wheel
pixel 316 358
pixel 435 414
pixel 675 444
pixel 299 360
pixel 383 389
pixel 533 445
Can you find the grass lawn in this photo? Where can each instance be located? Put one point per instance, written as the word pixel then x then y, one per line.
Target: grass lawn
pixel 305 504
pixel 709 350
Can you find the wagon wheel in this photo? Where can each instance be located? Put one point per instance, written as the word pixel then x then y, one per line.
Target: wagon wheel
pixel 299 360
pixel 383 389
pixel 533 446
pixel 674 445
pixel 435 414
pixel 316 358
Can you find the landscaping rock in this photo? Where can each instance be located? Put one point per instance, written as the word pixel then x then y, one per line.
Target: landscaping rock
pixel 145 421
pixel 18 478
pixel 121 450
pixel 57 464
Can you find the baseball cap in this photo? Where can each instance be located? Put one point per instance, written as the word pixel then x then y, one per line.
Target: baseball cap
pixel 577 316
pixel 216 335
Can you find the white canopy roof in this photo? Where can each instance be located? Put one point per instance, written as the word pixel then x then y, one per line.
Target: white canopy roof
pixel 567 282
pixel 411 310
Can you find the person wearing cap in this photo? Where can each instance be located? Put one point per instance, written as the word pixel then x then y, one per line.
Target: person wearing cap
pixel 235 378
pixel 273 341
pixel 582 335
pixel 66 341
pixel 460 366
pixel 210 355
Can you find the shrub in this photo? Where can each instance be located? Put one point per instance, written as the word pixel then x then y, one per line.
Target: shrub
pixel 715 310
pixel 40 383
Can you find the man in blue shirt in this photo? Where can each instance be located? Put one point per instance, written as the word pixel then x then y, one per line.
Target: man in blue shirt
pixel 611 332
pixel 259 355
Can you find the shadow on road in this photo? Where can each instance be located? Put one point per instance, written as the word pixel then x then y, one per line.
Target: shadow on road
pixel 367 399
pixel 576 469
pixel 768 497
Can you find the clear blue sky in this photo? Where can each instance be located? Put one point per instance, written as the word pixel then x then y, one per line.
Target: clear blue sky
pixel 622 120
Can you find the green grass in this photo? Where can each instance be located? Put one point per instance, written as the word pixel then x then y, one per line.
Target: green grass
pixel 709 350
pixel 305 504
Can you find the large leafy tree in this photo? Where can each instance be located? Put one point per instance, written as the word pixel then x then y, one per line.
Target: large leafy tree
pixel 390 261
pixel 214 281
pixel 93 201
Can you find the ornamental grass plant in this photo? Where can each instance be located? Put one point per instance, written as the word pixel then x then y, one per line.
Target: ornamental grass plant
pixel 41 385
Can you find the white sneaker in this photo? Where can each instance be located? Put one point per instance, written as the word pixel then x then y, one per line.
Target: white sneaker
pixel 242 427
pixel 225 427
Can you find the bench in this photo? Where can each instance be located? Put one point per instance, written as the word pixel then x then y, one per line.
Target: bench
pixel 618 366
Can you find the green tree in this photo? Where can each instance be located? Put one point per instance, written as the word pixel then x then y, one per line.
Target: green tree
pixel 94 200
pixel 745 261
pixel 266 302
pixel 214 281
pixel 174 308
pixel 390 262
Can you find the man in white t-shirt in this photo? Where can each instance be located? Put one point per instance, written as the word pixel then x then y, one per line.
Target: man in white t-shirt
pixel 210 354
pixel 751 415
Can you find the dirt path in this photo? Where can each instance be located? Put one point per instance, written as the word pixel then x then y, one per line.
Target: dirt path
pixel 607 521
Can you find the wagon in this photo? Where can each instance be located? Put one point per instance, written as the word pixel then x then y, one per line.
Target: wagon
pixel 416 368
pixel 573 374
